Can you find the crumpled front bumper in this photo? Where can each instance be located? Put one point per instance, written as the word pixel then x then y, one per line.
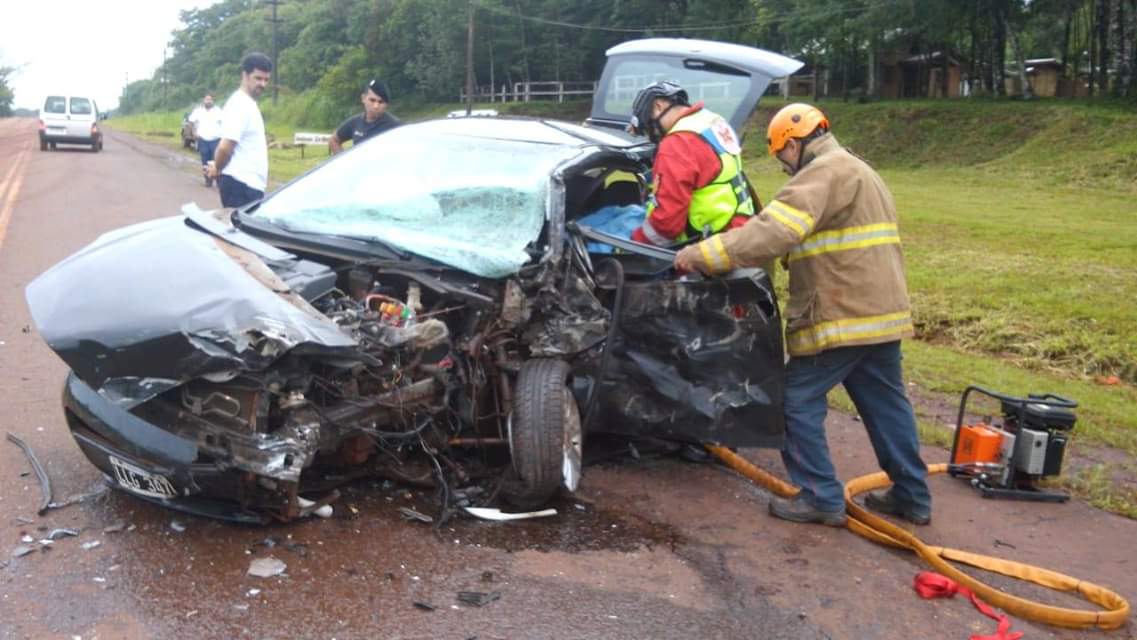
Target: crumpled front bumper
pixel 150 462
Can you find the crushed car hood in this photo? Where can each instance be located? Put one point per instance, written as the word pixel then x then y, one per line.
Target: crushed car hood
pixel 147 307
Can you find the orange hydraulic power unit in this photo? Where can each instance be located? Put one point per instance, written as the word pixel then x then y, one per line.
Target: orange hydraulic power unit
pixel 978 444
pixel 1006 460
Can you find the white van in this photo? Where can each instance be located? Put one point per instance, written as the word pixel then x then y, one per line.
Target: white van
pixel 69 120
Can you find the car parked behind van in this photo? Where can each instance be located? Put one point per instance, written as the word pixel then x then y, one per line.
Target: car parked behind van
pixel 69 120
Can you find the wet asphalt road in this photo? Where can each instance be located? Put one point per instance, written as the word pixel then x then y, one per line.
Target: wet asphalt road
pixel 653 548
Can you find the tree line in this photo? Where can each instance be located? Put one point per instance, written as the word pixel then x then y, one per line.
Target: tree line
pixel 328 49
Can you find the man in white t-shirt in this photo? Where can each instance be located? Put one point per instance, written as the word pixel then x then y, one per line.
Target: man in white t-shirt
pixel 241 162
pixel 206 121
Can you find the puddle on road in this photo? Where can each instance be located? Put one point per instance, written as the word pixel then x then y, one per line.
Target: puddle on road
pixel 573 530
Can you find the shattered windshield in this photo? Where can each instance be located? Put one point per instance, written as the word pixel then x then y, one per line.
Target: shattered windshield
pixel 445 191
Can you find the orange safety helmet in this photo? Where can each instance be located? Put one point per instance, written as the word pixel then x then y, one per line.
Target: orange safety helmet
pixel 796 120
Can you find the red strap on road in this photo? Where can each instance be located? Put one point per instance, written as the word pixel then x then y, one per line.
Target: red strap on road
pixel 930 584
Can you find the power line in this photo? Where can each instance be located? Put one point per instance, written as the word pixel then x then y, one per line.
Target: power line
pixel 793 15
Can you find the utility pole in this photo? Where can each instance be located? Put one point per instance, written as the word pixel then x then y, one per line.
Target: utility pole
pixel 470 59
pixel 275 48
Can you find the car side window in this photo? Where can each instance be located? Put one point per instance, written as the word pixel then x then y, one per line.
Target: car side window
pixel 55 104
pixel 80 107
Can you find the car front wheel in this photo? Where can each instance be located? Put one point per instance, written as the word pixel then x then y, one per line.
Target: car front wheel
pixel 545 436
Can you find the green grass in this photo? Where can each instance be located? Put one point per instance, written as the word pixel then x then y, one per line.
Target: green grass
pixel 1041 274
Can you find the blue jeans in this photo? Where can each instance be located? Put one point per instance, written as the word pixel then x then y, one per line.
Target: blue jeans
pixel 207 148
pixel 235 193
pixel 872 376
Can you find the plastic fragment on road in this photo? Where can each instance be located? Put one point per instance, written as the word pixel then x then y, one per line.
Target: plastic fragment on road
pixel 266 567
pixel 56 534
pixel 41 473
pixel 178 525
pixel 21 551
pixel 425 606
pixel 411 514
pixel 497 515
pixel 324 511
pixel 478 598
pixel 87 546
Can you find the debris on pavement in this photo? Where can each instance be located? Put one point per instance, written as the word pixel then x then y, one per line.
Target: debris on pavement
pixel 44 481
pixel 266 567
pixel 56 534
pixel 497 515
pixel 178 526
pixel 23 520
pixel 22 551
pixel 411 514
pixel 253 592
pixel 27 539
pixel 115 528
pixel 425 606
pixel 299 548
pixel 478 598
pixel 322 511
pixel 87 546
pixel 80 497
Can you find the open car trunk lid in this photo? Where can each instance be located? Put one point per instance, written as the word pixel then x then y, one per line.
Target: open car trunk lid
pixel 729 78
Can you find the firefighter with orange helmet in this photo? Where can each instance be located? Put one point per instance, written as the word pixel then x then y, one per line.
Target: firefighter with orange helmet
pixel 835 224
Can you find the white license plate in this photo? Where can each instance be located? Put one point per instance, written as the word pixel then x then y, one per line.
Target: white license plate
pixel 141 481
pixel 57 130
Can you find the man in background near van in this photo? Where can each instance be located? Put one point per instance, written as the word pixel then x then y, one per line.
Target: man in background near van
pixel 373 121
pixel 240 164
pixel 206 121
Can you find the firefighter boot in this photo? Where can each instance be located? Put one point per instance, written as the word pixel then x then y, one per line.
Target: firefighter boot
pixel 798 509
pixel 886 502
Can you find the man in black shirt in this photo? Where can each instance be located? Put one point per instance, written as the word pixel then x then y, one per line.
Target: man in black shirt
pixel 373 121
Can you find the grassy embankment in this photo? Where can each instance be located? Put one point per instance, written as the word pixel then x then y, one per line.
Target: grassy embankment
pixel 1020 234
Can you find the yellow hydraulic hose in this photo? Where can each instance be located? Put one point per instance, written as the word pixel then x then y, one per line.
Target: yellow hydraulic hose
pixel 877 529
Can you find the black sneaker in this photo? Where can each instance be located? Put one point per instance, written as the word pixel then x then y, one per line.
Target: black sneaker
pixel 797 509
pixel 885 502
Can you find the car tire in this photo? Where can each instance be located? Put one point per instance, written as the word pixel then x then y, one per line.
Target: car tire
pixel 43 145
pixel 544 434
pixel 96 147
pixel 52 146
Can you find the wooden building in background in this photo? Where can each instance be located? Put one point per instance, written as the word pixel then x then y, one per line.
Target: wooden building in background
pixel 920 75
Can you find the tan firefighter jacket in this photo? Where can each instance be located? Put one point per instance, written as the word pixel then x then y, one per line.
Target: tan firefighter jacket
pixel 835 223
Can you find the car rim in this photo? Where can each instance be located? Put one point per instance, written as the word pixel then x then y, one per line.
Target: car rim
pixel 573 445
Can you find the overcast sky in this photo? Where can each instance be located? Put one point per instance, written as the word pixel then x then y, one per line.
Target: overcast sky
pixel 84 47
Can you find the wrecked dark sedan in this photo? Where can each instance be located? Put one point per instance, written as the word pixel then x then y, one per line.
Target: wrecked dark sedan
pixel 422 308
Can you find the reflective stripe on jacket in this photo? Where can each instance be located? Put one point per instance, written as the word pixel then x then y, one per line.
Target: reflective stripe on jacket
pixel 727 195
pixel 835 222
